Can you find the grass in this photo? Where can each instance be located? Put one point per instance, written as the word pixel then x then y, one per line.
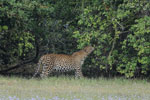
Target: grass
pixel 67 88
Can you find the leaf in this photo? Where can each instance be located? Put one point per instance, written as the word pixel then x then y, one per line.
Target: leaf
pixel 5 27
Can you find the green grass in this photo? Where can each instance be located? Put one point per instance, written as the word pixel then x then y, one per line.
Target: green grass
pixel 67 88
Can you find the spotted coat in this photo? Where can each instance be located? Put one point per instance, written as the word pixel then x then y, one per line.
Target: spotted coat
pixel 62 62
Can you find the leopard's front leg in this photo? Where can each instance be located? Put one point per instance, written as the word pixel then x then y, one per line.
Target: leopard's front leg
pixel 78 72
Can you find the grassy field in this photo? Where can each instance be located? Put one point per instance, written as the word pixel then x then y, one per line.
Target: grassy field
pixel 67 88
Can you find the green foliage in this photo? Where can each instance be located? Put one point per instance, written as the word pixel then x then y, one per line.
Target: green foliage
pixel 140 42
pixel 3 28
pixel 120 36
pixel 23 19
pixel 118 30
pixel 28 23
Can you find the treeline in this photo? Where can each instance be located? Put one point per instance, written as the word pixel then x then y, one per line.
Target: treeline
pixel 119 30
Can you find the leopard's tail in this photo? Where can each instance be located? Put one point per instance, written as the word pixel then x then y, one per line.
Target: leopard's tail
pixel 37 70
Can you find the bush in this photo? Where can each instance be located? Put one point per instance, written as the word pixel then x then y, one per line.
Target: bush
pixel 119 34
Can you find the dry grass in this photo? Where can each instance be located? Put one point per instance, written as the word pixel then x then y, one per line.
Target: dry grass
pixel 65 88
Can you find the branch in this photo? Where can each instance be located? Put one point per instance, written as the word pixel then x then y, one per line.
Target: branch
pixel 110 53
pixel 16 66
pixel 25 62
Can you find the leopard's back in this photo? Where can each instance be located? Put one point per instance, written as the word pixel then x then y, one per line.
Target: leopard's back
pixel 58 62
pixel 63 62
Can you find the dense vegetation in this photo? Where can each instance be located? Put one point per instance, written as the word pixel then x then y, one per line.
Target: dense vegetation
pixel 118 29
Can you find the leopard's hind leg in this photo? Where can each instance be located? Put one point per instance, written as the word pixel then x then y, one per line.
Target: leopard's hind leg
pixel 37 70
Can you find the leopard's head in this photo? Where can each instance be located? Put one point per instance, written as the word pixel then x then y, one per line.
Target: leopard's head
pixel 82 54
pixel 88 49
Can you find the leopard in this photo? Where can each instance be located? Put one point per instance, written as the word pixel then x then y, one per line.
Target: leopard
pixel 63 62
